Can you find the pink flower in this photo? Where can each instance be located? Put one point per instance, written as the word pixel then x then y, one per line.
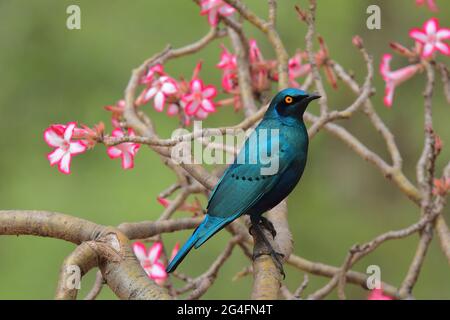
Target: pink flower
pixel 259 67
pixel 228 64
pixel 297 69
pixel 59 136
pixel 430 3
pixel 441 186
pixel 150 261
pixel 394 78
pixel 431 37
pixel 173 109
pixel 192 207
pixel 126 150
pixel 159 90
pixel 199 101
pixel 229 81
pixel 157 69
pixel 377 294
pixel 214 8
pixel 255 52
pixel 227 60
pixel 117 112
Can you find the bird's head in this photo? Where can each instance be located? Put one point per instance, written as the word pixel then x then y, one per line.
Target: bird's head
pixel 291 102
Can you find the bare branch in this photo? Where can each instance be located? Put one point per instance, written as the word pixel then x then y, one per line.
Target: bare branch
pixel 203 282
pixel 96 288
pixel 84 258
pixel 272 12
pixel 445 77
pixel 147 229
pixel 123 274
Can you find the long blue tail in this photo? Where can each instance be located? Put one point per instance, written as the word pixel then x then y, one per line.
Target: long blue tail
pixel 204 231
pixel 183 252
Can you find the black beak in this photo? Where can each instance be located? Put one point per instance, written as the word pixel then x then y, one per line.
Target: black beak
pixel 312 97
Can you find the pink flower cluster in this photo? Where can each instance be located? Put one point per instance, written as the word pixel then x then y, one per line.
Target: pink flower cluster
pixel 188 100
pixel 429 40
pixel 69 140
pixel 193 99
pixel 151 260
pixel 264 71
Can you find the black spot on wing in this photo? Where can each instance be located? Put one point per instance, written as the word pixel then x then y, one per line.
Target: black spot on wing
pixel 247 178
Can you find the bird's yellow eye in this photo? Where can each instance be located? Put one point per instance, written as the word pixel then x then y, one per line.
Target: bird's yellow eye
pixel 288 99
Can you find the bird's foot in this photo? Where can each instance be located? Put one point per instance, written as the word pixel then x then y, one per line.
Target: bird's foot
pixel 265 247
pixel 264 222
pixel 276 257
pixel 268 225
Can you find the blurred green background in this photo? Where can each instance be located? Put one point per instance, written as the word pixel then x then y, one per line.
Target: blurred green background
pixel 49 74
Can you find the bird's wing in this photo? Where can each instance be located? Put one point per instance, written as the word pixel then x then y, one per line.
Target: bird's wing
pixel 242 185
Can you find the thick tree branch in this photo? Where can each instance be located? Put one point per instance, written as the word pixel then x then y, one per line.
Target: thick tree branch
pixel 123 274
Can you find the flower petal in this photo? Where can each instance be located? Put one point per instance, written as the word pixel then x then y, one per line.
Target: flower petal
pixel 134 148
pixel 213 17
pixel 403 74
pixel 431 26
pixel 209 91
pixel 428 50
pixel 377 294
pixel 389 94
pixel 52 138
pixel 114 152
pixel 127 160
pixel 55 156
pixel 206 5
pixel 77 147
pixel 443 47
pixel 150 93
pixel 155 252
pixel 226 10
pixel 175 250
pixel 191 107
pixel 201 114
pixel 208 105
pixel 69 130
pixel 148 270
pixel 172 109
pixel 443 34
pixel 139 251
pixel 384 65
pixel 158 271
pixel 418 35
pixel 117 133
pixel 196 85
pixel 169 87
pixel 160 99
pixel 64 164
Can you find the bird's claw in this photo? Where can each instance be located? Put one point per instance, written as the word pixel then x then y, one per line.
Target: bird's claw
pixel 268 226
pixel 275 258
